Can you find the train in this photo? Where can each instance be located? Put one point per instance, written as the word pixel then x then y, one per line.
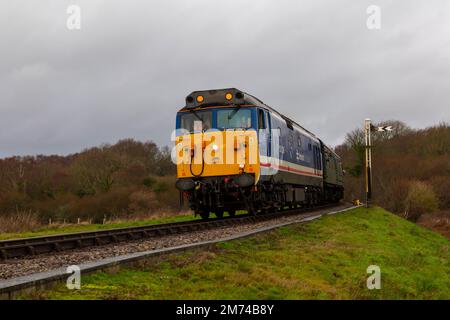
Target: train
pixel 233 152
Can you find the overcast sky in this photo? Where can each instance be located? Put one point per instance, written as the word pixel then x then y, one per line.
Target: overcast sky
pixel 128 69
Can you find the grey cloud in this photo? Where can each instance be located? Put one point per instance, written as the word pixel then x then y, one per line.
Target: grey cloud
pixel 127 71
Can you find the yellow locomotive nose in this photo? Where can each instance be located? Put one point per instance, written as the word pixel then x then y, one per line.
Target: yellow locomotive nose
pixel 218 153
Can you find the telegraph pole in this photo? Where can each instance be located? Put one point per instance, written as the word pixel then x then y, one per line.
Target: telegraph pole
pixel 367 130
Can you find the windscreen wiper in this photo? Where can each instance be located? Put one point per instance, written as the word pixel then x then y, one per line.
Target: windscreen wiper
pixel 199 118
pixel 233 113
pixel 196 115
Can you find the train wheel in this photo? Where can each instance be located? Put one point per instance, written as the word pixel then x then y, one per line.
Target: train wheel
pixel 251 209
pixel 219 213
pixel 231 213
pixel 204 215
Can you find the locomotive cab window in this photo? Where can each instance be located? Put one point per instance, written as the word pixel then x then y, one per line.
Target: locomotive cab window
pixel 197 121
pixel 234 118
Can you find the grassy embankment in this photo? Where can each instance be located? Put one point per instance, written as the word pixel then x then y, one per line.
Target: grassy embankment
pixel 325 259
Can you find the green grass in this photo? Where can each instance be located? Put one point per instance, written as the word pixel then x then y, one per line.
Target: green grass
pixel 324 259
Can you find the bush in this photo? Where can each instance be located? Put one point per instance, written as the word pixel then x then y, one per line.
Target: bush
pixel 161 186
pixel 56 209
pixel 111 204
pixel 420 199
pixel 149 182
pixel 19 221
pixel 168 195
pixel 393 195
pixel 13 201
pixel 142 202
pixel 441 186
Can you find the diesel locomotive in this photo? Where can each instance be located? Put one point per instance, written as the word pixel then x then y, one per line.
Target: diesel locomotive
pixel 234 152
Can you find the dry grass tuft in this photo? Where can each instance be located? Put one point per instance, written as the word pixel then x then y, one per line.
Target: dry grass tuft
pixel 20 221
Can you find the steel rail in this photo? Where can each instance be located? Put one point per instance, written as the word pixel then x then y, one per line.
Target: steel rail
pixel 19 248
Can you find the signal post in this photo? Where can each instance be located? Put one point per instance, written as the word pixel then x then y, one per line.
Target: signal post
pixel 368 161
pixel 368 128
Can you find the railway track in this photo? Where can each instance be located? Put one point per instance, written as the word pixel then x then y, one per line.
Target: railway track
pixel 19 248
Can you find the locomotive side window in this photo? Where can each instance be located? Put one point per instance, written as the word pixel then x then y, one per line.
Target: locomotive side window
pixel 190 120
pixel 233 118
pixel 261 122
pixel 319 162
pixel 269 134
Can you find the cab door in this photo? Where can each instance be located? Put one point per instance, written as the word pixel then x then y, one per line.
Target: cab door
pixel 268 133
pixel 265 143
pixel 316 159
pixel 263 136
